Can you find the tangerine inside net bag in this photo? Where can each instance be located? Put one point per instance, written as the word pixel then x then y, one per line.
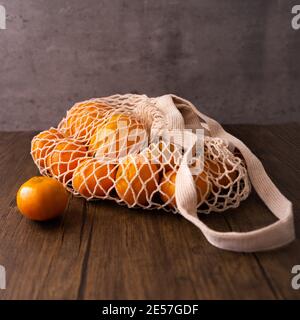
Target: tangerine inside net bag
pixel 161 153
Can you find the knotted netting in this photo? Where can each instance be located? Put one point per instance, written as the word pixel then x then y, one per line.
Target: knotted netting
pixel 117 148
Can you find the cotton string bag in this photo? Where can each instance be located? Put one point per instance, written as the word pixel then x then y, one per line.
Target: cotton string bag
pixel 96 158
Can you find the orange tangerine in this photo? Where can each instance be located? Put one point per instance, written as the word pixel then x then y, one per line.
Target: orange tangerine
pixel 136 180
pixel 165 154
pixel 120 135
pixel 93 178
pixel 167 187
pixel 64 158
pixel 43 143
pixel 217 170
pixel 42 198
pixel 83 119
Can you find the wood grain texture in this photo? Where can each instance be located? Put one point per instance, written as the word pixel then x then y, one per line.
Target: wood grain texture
pixel 99 250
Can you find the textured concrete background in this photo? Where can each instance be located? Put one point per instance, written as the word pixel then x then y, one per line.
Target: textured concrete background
pixel 236 60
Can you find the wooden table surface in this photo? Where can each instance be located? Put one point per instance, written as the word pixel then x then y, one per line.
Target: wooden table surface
pixel 105 251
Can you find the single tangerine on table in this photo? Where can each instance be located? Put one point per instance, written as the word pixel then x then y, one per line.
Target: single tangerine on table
pixel 93 178
pixel 42 198
pixel 43 143
pixel 64 158
pixel 117 137
pixel 136 180
pixel 167 187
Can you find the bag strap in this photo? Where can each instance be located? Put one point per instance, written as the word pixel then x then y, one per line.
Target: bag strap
pixel 273 236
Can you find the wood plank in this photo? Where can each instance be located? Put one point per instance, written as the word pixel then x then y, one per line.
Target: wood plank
pixel 280 156
pixel 18 253
pixel 102 250
pixel 64 274
pixel 149 255
pixel 28 250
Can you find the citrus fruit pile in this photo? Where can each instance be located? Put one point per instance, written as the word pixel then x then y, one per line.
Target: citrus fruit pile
pixel 102 150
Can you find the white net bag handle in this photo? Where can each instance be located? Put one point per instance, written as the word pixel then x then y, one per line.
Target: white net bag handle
pixel 270 237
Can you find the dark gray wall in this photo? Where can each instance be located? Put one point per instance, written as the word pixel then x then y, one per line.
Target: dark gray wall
pixel 237 60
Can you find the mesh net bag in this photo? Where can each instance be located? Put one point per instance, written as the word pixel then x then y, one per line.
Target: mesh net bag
pixel 152 153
